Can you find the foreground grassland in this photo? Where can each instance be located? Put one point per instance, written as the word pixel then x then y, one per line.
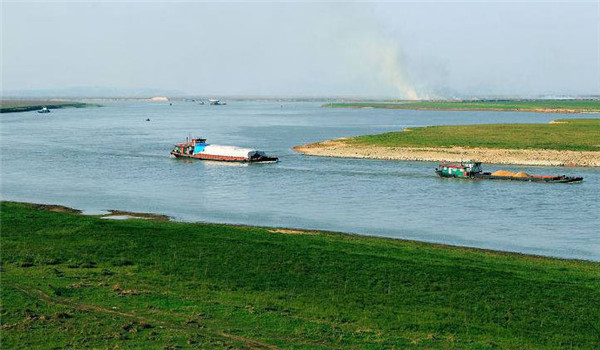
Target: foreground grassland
pixel 70 281
pixel 565 134
pixel 12 106
pixel 542 106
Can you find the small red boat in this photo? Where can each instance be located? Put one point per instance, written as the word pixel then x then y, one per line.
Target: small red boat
pixel 199 149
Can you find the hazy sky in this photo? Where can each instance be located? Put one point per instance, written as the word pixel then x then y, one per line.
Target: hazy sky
pixel 401 50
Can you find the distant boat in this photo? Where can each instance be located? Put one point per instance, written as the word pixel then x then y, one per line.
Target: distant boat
pixel 44 110
pixel 215 102
pixel 199 149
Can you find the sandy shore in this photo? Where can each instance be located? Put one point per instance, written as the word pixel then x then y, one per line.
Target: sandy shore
pixel 340 148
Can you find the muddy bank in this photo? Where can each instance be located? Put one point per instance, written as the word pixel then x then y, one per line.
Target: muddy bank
pixel 341 148
pixel 133 215
pixel 103 214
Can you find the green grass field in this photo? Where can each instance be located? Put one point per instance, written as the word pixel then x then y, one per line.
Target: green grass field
pixel 13 106
pixel 567 134
pixel 569 106
pixel 71 281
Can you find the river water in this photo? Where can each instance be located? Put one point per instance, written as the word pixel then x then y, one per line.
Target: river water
pixel 111 158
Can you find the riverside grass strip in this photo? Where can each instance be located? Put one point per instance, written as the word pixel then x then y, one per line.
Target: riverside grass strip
pixel 73 281
pixel 541 106
pixel 561 135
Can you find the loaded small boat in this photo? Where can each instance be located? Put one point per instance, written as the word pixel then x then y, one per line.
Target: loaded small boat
pixel 472 170
pixel 199 149
pixel 44 110
pixel 216 102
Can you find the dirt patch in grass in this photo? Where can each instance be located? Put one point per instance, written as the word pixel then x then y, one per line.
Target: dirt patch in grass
pixel 55 208
pixel 292 232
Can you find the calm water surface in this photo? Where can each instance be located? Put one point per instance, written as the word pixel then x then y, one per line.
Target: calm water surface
pixel 111 158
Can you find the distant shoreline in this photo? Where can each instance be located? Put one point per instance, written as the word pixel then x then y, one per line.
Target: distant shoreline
pixel 574 106
pixel 16 106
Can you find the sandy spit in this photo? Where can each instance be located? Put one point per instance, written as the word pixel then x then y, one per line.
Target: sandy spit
pixel 339 148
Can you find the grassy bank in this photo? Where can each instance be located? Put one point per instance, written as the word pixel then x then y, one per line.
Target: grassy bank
pixel 12 106
pixel 70 281
pixel 567 134
pixel 543 106
pixel 572 142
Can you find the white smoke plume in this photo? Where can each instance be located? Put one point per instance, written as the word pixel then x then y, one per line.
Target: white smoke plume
pixel 380 62
pixel 387 58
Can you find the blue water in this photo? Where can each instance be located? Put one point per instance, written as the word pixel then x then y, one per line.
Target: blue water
pixel 111 158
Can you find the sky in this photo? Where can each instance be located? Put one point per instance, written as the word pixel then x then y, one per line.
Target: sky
pixel 404 50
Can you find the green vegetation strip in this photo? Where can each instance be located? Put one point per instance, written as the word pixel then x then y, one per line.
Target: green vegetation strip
pixel 26 106
pixel 557 106
pixel 71 281
pixel 565 134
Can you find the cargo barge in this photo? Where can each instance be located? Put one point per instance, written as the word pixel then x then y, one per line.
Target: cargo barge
pixel 199 149
pixel 472 171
